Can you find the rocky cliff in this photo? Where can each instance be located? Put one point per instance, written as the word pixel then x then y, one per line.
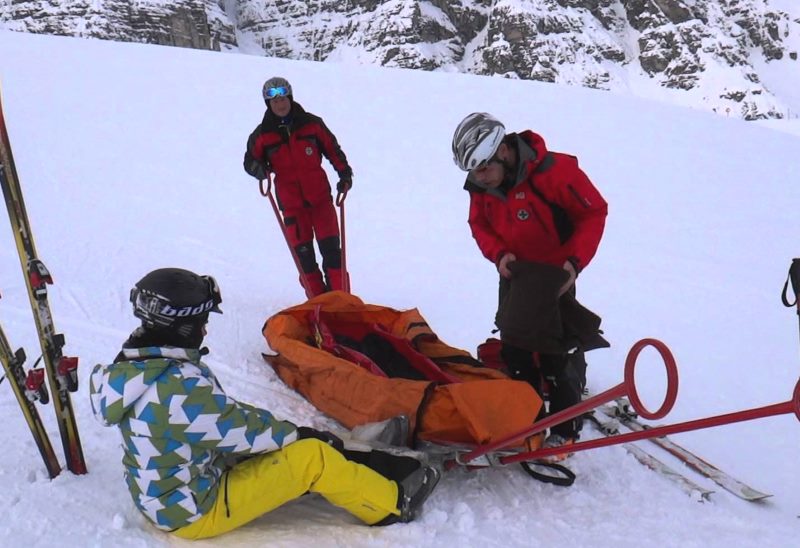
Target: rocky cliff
pixel 185 23
pixel 703 53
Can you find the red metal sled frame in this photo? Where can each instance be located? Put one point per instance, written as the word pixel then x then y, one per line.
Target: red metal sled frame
pixel 628 387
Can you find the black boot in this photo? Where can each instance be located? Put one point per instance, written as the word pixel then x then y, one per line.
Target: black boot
pixel 565 391
pixel 392 431
pixel 412 492
pixel 415 490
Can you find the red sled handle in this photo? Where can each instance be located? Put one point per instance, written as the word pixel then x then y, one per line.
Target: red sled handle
pixel 340 197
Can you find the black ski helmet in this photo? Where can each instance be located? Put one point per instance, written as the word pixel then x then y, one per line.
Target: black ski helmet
pixel 175 299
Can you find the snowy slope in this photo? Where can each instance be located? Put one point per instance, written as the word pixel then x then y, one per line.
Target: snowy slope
pixel 130 157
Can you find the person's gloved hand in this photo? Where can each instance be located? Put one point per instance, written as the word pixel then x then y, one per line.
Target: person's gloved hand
pixel 306 432
pixel 344 184
pixel 258 169
pixel 502 264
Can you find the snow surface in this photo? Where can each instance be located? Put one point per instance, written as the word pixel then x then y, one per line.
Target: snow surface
pixel 130 159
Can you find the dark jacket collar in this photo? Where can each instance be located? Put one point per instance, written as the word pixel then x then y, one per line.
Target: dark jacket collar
pixel 297 117
pixel 142 338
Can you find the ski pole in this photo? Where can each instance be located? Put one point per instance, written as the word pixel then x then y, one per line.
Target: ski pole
pixel 340 197
pixel 268 194
pixel 794 277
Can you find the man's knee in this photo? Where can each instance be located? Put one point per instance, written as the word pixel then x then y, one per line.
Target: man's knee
pixel 306 256
pixel 331 252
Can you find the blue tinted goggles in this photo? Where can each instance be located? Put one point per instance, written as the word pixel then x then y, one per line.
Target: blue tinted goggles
pixel 280 91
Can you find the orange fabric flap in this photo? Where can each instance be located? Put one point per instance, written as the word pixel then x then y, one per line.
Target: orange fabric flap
pixel 479 412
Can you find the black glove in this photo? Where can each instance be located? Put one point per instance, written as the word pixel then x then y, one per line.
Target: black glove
pixel 306 432
pixel 257 169
pixel 344 184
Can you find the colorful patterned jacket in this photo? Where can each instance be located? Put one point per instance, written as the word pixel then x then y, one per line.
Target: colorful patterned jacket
pixel 177 425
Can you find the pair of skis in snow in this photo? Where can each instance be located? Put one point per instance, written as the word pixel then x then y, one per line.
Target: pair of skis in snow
pixel 620 413
pixel 61 370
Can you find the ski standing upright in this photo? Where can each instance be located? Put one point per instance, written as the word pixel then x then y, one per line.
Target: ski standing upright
pixel 27 389
pixel 61 370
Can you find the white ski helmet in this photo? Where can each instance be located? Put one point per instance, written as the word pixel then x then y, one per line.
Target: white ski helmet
pixel 476 140
pixel 276 87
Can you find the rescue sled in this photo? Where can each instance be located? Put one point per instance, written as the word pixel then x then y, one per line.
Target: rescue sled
pixel 360 363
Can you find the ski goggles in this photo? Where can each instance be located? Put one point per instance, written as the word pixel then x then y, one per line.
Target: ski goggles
pixel 279 91
pixel 216 294
pixel 158 310
pixel 480 168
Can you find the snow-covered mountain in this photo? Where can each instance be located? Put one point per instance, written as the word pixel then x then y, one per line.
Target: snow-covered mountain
pixel 708 54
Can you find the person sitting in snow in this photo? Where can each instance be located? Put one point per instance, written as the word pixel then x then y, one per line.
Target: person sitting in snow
pixel 536 211
pixel 290 143
pixel 199 463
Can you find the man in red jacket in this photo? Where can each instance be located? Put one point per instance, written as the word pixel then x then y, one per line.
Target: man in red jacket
pixel 530 204
pixel 290 143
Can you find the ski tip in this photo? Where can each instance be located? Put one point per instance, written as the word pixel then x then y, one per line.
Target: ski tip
pixel 751 495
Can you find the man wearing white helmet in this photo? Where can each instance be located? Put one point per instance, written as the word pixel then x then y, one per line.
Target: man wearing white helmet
pixel 290 142
pixel 530 205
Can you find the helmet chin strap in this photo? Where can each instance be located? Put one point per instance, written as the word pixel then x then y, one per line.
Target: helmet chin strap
pixel 186 335
pixel 509 172
pixel 192 334
pixel 510 164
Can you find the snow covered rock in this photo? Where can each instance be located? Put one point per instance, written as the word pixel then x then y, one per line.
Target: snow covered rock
pixel 702 53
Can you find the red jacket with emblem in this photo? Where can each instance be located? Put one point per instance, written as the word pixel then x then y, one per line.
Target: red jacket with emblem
pixel 550 214
pixel 293 151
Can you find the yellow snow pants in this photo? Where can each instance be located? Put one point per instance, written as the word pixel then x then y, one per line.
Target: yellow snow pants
pixel 264 482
